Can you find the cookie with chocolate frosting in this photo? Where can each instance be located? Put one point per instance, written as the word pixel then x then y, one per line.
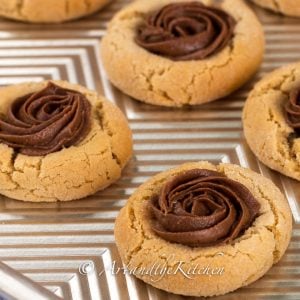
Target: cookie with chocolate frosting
pixel 201 208
pixel 175 53
pixel 203 230
pixel 271 120
pixel 59 142
pixel 49 11
pixel 285 7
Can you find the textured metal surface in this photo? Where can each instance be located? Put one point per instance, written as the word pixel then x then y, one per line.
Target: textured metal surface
pixel 49 242
pixel 28 289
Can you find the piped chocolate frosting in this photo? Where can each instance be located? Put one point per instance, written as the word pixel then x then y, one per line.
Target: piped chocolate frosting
pixel 186 31
pixel 201 208
pixel 46 121
pixel 292 111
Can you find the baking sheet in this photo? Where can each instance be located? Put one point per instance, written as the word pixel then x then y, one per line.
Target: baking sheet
pixel 52 244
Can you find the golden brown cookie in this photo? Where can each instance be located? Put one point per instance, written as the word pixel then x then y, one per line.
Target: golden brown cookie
pixel 220 268
pixel 268 132
pixel 160 80
pixel 285 7
pixel 71 170
pixel 49 11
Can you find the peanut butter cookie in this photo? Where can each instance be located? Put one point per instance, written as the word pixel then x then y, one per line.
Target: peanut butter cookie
pixel 203 230
pixel 271 120
pixel 59 142
pixel 49 11
pixel 176 53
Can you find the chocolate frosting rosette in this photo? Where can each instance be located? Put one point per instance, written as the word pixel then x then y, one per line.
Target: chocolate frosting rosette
pixel 46 121
pixel 203 208
pixel 292 111
pixel 186 31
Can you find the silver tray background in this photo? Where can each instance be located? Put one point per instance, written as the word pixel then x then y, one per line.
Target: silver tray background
pixel 49 242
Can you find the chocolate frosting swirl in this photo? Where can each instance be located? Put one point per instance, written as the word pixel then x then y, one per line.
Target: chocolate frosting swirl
pixel 46 121
pixel 292 111
pixel 186 31
pixel 201 208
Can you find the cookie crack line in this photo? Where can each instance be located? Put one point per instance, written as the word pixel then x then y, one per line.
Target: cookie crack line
pixel 279 128
pixel 12 170
pixel 276 5
pixel 67 7
pixel 19 8
pixel 273 227
pixel 100 116
pixel 87 4
pixel 133 252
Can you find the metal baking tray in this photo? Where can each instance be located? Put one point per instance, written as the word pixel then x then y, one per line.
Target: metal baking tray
pixel 53 244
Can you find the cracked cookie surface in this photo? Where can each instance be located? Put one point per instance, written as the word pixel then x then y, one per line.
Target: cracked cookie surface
pixel 265 127
pixel 161 81
pixel 74 172
pixel 49 11
pixel 285 7
pixel 244 261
